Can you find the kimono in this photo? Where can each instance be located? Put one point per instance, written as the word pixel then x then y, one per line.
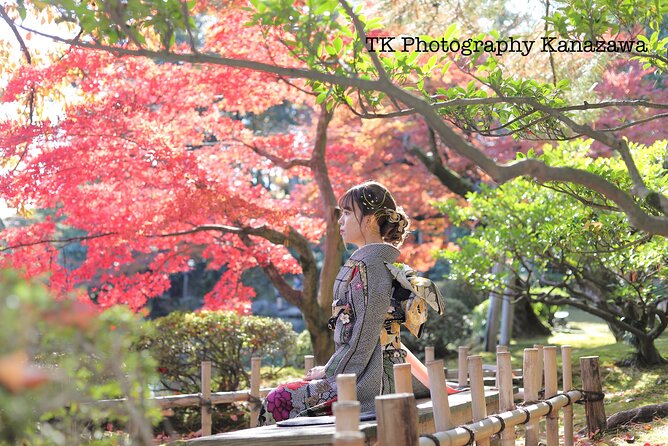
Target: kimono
pixel 362 292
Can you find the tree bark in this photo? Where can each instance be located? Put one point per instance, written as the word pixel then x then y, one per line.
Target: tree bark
pixel 647 353
pixel 525 323
pixel 642 414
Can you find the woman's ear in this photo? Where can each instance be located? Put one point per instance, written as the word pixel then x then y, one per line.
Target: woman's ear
pixel 371 224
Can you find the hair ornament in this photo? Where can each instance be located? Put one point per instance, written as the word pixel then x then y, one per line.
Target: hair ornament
pixel 393 216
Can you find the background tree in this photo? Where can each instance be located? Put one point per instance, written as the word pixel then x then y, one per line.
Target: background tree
pixel 321 42
pixel 561 251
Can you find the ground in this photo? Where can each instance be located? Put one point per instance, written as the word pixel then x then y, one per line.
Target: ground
pixel 625 387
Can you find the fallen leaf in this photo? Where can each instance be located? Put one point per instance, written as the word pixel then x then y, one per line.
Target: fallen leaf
pixel 629 438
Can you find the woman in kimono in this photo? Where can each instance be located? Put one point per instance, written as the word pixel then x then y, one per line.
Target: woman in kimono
pixel 372 221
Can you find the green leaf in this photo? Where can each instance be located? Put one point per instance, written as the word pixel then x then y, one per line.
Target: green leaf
pixel 321 97
pixel 338 44
pixel 450 31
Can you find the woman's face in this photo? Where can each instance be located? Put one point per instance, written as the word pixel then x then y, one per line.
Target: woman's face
pixel 351 226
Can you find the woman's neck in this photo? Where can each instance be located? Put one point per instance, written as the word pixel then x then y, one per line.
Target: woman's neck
pixel 372 238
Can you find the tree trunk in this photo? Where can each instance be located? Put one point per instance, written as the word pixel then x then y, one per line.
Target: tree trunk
pixel 647 353
pixel 322 339
pixel 525 323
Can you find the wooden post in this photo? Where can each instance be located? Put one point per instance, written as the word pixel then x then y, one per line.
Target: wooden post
pixel 550 368
pixel 504 379
pixel 397 418
pixel 309 362
pixel 540 365
pixel 403 382
pixel 255 389
pixel 478 406
pixel 348 439
pixel 206 398
pixel 347 416
pixel 591 382
pixel 428 354
pixel 347 419
pixel 567 372
pixel 346 387
pixel 531 380
pixel 499 349
pixel 439 396
pixel 462 367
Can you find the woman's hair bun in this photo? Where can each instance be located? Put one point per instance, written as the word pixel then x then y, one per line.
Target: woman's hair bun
pixel 372 198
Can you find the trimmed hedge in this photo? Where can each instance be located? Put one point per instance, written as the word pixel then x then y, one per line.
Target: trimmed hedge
pixel 181 341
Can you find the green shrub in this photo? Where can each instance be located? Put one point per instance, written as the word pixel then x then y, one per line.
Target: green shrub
pixel 58 356
pixel 302 349
pixel 181 341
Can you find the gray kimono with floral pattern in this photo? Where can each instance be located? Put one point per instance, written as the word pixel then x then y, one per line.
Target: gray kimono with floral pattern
pixel 363 288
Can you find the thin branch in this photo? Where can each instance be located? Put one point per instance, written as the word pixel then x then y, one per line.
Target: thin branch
pixel 568 191
pixel 359 27
pixel 280 162
pixel 651 56
pixel 547 14
pixel 26 54
pixel 186 19
pixel 634 123
pixel 12 25
pixel 56 240
pixel 269 234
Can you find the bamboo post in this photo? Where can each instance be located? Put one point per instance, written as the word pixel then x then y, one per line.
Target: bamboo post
pixel 504 379
pixel 347 422
pixel 591 382
pixel 346 387
pixel 255 390
pixel 309 362
pixel 428 354
pixel 397 419
pixel 550 369
pixel 531 380
pixel 499 349
pixel 462 378
pixel 403 381
pixel 348 439
pixel 478 406
pixel 206 398
pixel 439 396
pixel 347 416
pixel 567 372
pixel 540 365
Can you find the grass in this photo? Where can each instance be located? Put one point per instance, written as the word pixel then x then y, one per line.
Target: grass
pixel 625 387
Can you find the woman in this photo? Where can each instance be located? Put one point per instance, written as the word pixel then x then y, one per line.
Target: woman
pixel 373 222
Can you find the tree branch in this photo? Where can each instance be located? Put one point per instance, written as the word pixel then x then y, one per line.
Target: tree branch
pixel 62 240
pixel 290 72
pixel 288 292
pixel 280 162
pixel 501 173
